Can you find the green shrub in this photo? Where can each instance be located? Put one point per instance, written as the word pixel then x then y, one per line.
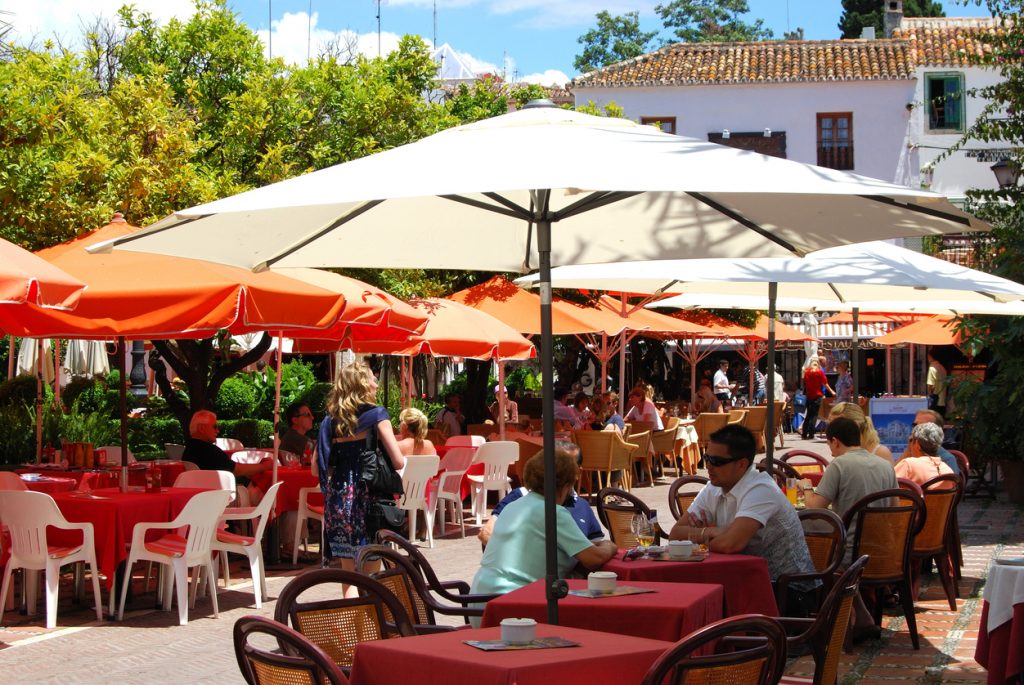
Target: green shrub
pixel 236 399
pixel 75 387
pixel 151 433
pixel 315 397
pixel 21 390
pixel 252 432
pixel 17 434
pixel 100 396
pixel 86 426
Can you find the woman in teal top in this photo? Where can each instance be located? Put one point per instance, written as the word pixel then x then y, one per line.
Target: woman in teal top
pixel 514 556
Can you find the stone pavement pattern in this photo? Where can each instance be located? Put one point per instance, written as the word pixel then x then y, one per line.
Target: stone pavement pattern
pixel 149 646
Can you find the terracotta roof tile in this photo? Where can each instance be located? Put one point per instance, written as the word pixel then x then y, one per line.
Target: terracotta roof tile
pixel 932 41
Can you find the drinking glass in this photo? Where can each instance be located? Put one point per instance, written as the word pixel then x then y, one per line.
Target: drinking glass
pixel 643 530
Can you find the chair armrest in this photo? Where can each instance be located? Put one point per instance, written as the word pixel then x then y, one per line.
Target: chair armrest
pixel 460 585
pixel 425 629
pixel 140 530
pixel 238 514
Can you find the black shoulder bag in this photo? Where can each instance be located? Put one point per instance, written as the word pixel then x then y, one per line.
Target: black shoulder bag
pixel 376 471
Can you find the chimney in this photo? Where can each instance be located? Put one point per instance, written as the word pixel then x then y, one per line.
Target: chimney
pixel 867 33
pixel 893 17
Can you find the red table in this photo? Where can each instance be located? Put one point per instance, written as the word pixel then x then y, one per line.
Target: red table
pixel 93 478
pixel 745 579
pixel 169 472
pixel 292 479
pixel 51 485
pixel 1000 646
pixel 442 659
pixel 671 612
pixel 114 518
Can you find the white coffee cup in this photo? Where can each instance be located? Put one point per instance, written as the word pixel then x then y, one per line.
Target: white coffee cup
pixel 518 631
pixel 680 549
pixel 602 581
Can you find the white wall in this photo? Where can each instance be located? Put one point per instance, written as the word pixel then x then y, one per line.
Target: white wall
pixel 880 116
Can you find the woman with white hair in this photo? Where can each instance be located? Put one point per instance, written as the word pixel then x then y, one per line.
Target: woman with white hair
pixel 923 464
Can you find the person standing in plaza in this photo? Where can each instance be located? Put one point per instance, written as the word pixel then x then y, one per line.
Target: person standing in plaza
pixel 815 384
pixel 721 385
pixel 844 382
pixel 936 383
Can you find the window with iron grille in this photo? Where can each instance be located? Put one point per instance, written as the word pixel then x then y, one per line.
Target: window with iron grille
pixel 835 140
pixel 944 96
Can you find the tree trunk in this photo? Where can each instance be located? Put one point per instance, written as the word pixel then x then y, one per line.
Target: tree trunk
pixel 474 404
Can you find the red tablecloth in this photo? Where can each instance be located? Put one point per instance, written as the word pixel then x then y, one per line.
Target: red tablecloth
pixel 51 485
pixel 443 659
pixel 292 479
pixel 671 612
pixel 114 518
pixel 473 470
pixel 1001 651
pixel 93 478
pixel 169 472
pixel 748 588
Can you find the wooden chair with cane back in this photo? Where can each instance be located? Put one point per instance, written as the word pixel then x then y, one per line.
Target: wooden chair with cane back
pixel 804 462
pixel 757 660
pixel 297 661
pixel 642 455
pixel 736 416
pixel 884 524
pixel 663 444
pixel 707 423
pixel 603 453
pixel 780 471
pixel 616 509
pixel 682 492
pixel 941 495
pixel 754 421
pixel 825 536
pixel 338 624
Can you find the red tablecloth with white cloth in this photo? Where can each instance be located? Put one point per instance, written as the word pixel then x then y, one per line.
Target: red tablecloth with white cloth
pixel 671 612
pixel 443 659
pixel 1000 646
pixel 748 587
pixel 113 515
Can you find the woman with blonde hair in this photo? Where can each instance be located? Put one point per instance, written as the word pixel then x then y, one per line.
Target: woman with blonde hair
pixel 353 423
pixel 412 433
pixel 868 435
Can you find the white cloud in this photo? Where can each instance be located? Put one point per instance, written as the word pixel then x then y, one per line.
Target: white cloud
pixel 551 77
pixel 46 19
pixel 563 13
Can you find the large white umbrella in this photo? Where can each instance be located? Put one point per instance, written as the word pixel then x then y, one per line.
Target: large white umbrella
pixel 544 184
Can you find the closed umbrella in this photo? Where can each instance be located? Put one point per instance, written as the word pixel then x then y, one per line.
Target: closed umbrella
pixel 542 184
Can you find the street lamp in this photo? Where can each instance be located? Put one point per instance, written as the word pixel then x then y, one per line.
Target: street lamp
pixel 1006 173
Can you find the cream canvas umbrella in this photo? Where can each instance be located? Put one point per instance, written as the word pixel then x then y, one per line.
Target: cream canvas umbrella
pixel 544 184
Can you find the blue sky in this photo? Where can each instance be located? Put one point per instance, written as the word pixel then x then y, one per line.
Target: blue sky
pixel 526 39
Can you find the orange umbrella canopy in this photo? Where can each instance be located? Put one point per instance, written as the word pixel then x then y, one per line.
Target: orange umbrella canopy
pixel 27 279
pixel 453 330
pixel 873 317
pixel 138 295
pixel 783 332
pixel 935 330
pixel 520 309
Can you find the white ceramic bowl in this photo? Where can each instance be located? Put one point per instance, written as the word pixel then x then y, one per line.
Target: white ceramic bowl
pixel 680 549
pixel 602 581
pixel 518 631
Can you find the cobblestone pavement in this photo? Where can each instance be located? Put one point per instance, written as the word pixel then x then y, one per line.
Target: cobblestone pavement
pixel 149 646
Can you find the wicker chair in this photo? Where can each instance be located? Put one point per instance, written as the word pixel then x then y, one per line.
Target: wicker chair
pixel 804 461
pixel 825 634
pixel 736 416
pixel 399 574
pixel 338 624
pixel 825 536
pixel 642 455
pixel 756 662
pixel 616 509
pixel 707 423
pixel 755 421
pixel 682 492
pixel 453 591
pixel 780 471
pixel 299 662
pixel 941 495
pixel 663 443
pixel 527 450
pixel 604 453
pixel 886 523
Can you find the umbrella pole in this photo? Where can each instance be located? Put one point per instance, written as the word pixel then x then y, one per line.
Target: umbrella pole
pixel 123 402
pixel 501 399
pixel 555 589
pixel 56 372
pixel 769 432
pixel 888 370
pixel 274 529
pixel 910 375
pixel 623 341
pixel 10 357
pixel 604 362
pixel 39 401
pixel 855 355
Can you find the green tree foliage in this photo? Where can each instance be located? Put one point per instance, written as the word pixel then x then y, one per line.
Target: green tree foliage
pixel 698 21
pixel 615 39
pixel 797 34
pixel 860 13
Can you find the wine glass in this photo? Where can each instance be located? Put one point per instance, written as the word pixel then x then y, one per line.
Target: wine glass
pixel 643 530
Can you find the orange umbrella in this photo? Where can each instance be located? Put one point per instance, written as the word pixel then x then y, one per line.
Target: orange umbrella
pixel 135 295
pixel 874 317
pixel 935 330
pixel 27 279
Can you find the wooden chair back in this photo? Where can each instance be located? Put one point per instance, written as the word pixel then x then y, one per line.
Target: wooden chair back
pixel 707 423
pixel 297 662
pixel 682 492
pixel 825 536
pixel 736 416
pixel 616 509
pixel 804 461
pixel 885 523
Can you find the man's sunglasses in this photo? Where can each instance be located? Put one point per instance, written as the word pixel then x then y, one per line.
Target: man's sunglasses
pixel 718 461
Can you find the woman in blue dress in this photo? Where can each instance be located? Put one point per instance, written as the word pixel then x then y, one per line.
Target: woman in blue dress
pixel 351 413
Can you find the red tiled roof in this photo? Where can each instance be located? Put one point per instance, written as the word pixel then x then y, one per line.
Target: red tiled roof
pixel 933 41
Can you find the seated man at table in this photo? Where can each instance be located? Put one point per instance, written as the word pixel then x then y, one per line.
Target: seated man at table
pixel 201 450
pixel 564 411
pixel 578 507
pixel 742 510
pixel 514 557
pixel 450 418
pixel 299 419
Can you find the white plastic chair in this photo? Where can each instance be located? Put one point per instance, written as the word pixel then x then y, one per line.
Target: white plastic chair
pixel 465 441
pixel 190 465
pixel 251 456
pixel 448 485
pixel 9 480
pixel 114 454
pixel 251 547
pixel 496 457
pixel 229 444
pixel 305 512
pixel 419 470
pixel 173 451
pixel 207 480
pixel 201 515
pixel 27 515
